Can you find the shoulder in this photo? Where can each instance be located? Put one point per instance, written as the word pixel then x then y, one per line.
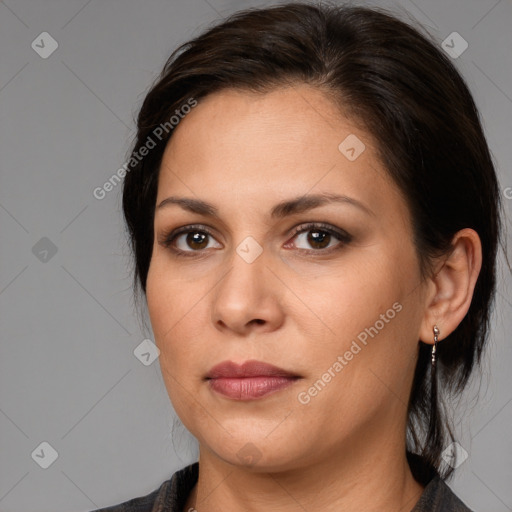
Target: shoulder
pixel 140 504
pixel 172 494
pixel 438 497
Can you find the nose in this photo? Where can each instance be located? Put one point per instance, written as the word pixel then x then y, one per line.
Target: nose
pixel 246 298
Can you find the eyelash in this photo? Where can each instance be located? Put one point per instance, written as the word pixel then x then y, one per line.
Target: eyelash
pixel 344 238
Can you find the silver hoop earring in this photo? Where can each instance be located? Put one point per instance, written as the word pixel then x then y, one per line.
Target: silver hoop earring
pixel 434 347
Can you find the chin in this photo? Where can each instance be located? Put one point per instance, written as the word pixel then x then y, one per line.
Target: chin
pixel 260 452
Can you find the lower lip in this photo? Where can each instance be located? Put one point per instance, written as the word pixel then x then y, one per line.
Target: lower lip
pixel 249 388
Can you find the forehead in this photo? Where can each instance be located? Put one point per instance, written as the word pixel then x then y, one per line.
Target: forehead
pixel 256 146
pixel 286 120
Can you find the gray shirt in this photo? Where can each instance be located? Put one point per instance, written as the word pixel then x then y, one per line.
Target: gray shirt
pixel 172 495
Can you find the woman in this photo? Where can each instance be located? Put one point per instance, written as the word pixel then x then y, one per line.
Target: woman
pixel 314 217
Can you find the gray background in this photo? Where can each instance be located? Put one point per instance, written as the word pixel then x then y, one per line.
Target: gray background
pixel 68 374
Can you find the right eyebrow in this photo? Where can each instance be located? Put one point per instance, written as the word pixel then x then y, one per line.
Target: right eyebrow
pixel 191 205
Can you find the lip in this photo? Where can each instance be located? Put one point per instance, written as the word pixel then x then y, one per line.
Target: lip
pixel 253 368
pixel 250 381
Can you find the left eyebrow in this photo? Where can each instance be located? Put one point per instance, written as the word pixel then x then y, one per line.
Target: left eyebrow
pixel 283 209
pixel 308 202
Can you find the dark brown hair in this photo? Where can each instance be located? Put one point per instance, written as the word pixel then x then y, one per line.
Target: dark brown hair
pixel 400 86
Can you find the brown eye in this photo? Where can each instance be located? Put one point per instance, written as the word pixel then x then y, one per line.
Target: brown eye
pixel 189 239
pixel 318 237
pixel 196 240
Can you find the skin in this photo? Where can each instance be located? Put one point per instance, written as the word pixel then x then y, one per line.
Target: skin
pixel 297 306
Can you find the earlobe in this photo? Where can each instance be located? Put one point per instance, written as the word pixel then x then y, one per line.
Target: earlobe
pixel 453 285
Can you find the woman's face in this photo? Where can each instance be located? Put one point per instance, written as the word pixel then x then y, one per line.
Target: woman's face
pixel 337 305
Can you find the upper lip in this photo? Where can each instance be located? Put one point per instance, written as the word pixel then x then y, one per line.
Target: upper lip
pixel 229 369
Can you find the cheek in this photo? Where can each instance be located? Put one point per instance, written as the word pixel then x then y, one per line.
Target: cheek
pixel 167 297
pixel 177 318
pixel 352 296
pixel 164 312
pixel 366 311
pixel 156 293
pixel 172 313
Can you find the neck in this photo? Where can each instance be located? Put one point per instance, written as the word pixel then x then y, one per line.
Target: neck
pixel 364 476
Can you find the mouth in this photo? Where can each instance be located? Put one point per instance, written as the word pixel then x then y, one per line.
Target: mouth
pixel 250 381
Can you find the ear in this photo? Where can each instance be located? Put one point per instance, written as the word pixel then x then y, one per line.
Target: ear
pixel 451 286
